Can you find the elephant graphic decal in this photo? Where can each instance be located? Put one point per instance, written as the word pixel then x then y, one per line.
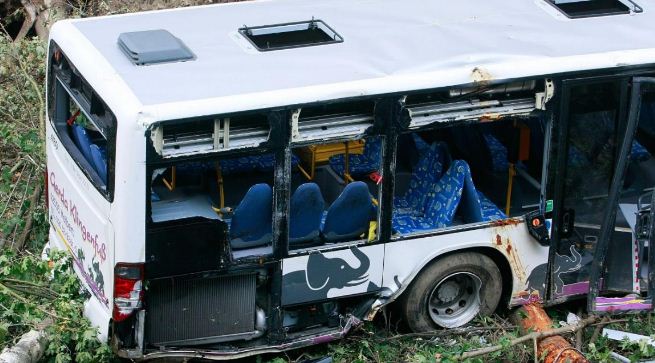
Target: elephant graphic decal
pixel 327 276
pixel 563 264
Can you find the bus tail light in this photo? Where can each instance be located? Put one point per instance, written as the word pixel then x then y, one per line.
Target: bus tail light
pixel 128 289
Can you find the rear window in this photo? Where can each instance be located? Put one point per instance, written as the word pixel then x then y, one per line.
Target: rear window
pixel 83 122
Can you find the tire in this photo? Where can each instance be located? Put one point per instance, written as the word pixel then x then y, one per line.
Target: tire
pixel 454 303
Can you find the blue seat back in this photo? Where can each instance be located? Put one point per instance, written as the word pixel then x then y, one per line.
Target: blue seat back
pixel 252 163
pixel 427 171
pixel 82 141
pixel 639 152
pixel 359 164
pixel 251 224
pixel 307 206
pixel 445 196
pixel 498 151
pixel 470 207
pixel 373 150
pixel 349 216
pixel 474 206
pixel 419 143
pixel 99 162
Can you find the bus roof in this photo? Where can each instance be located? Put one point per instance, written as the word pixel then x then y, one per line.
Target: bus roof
pixel 388 46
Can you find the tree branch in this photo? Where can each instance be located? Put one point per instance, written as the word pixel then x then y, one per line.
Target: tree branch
pixel 534 335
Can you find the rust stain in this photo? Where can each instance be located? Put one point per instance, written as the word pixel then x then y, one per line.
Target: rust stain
pixel 506 247
pixel 507 222
pixel 488 117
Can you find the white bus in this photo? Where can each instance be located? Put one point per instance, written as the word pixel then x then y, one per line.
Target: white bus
pixel 261 176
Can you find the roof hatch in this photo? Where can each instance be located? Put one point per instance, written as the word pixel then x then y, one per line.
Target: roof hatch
pixel 591 8
pixel 153 46
pixel 290 35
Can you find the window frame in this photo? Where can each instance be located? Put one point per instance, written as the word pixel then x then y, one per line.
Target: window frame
pixel 380 197
pixel 546 116
pixel 247 32
pixel 619 8
pixel 64 86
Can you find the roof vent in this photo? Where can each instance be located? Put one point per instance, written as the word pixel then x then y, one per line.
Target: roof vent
pixel 153 46
pixel 290 35
pixel 575 9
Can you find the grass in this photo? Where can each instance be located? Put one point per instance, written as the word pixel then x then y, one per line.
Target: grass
pixel 22 161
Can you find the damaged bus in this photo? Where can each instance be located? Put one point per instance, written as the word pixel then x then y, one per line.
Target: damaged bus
pixel 244 178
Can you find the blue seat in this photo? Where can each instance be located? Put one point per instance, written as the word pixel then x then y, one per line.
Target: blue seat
pixel 454 193
pixel 82 141
pixel 427 171
pixel 420 144
pixel 349 216
pixel 474 206
pixel 99 162
pixel 443 199
pixel 251 224
pixel 578 158
pixel 360 164
pixel 639 152
pixel 307 206
pixel 498 151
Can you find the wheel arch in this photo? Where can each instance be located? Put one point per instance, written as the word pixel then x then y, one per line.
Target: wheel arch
pixel 496 256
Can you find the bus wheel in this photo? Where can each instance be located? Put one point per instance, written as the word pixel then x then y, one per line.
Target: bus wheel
pixel 451 291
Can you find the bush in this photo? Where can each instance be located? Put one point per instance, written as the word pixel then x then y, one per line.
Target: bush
pixel 35 292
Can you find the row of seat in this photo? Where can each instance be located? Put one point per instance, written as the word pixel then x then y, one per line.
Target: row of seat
pixel 347 218
pixel 359 164
pixel 434 196
pixel 94 154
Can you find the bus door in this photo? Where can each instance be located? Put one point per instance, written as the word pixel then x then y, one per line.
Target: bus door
pixel 630 203
pixel 597 179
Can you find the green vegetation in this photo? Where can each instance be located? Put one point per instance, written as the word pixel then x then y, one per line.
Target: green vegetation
pixel 35 293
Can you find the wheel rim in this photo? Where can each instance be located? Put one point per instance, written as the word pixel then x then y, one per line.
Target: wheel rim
pixel 455 300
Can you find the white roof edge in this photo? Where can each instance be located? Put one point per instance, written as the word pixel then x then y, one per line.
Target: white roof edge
pixel 513 47
pixel 391 84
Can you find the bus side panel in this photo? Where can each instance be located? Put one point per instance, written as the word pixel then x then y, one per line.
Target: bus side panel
pixel 128 213
pixel 405 259
pixel 326 275
pixel 79 224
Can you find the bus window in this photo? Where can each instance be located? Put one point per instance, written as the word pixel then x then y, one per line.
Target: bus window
pixel 85 141
pixel 467 174
pixel 236 190
pixel 335 192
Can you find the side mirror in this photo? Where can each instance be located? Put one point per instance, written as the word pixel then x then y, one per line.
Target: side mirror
pixel 537 227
